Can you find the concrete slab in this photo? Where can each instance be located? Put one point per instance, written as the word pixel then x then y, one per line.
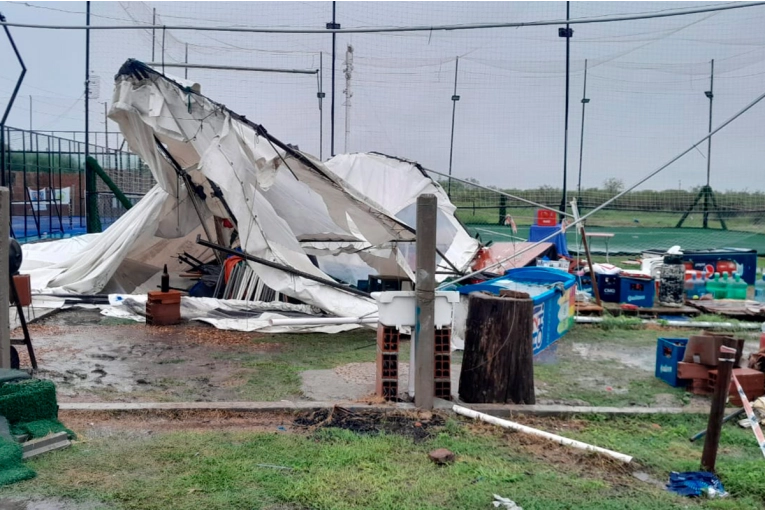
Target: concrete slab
pixel 501 410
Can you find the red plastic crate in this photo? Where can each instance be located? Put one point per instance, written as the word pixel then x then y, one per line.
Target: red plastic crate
pixel 546 218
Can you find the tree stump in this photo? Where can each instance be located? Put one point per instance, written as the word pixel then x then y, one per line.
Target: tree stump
pixel 498 364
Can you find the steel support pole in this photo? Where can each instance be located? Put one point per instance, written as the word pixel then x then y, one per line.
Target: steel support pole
pixel 5 278
pixel 332 108
pixel 320 95
pixel 424 332
pixel 567 35
pixel 710 94
pixel 91 203
pixel 455 98
pixel 581 134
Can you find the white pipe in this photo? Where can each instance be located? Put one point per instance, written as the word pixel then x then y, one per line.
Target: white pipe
pixel 681 324
pixel 319 321
pixel 464 411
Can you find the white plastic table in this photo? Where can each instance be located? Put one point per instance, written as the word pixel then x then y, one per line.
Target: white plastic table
pixel 606 236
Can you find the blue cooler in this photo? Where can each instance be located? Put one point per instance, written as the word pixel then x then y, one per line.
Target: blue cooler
pixel 637 291
pixel 609 288
pixel 670 351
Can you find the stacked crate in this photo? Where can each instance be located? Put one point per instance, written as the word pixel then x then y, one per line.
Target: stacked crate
pixel 386 382
pixel 163 308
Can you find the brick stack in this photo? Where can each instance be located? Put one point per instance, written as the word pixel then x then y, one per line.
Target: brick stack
pixel 386 381
pixel 751 381
pixel 163 308
pixel 703 380
pixel 442 364
pixel 697 374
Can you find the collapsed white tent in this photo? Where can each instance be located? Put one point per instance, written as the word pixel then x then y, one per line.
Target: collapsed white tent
pixel 393 184
pixel 212 165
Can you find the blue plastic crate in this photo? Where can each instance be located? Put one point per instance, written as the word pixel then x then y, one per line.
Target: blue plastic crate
pixel 669 351
pixel 609 288
pixel 637 291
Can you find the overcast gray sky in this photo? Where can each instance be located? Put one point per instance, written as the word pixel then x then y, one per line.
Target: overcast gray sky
pixel 646 82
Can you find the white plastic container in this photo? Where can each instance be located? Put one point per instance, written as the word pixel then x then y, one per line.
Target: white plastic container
pixel 397 308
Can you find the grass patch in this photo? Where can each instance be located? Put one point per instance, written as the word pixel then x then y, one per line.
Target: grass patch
pixel 339 469
pixel 610 322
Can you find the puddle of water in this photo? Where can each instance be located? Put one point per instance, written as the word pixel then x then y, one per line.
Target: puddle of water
pixel 549 356
pixel 643 358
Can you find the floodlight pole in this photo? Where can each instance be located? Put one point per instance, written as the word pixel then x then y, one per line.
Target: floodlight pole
pixel 710 94
pixel 455 98
pixel 186 61
pixel 333 26
pixel 567 33
pixel 91 205
pixel 581 133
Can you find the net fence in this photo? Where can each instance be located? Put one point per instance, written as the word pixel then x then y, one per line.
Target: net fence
pixel 46 177
pixel 489 106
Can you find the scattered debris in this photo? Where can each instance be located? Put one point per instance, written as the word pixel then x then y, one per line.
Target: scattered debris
pixel 46 444
pixel 508 504
pixel 696 484
pixel 725 420
pixel 373 422
pixel 441 456
pixel 751 415
pixel 758 406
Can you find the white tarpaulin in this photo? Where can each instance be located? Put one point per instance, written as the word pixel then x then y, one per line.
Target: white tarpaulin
pixel 393 185
pixel 287 207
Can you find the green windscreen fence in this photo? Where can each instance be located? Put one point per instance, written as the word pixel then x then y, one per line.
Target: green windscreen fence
pixel 635 240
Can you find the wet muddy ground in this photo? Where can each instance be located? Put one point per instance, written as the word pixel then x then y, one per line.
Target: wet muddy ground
pixel 92 358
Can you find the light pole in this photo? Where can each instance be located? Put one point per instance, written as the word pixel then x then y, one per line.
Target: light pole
pixel 334 25
pixel 567 33
pixel 710 94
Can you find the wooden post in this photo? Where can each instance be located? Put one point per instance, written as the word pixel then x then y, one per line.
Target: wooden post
pixel 595 290
pixel 5 283
pixel 498 364
pixel 717 411
pixel 425 293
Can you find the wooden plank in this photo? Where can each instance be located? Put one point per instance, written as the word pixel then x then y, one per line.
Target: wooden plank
pixel 46 444
pixel 616 310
